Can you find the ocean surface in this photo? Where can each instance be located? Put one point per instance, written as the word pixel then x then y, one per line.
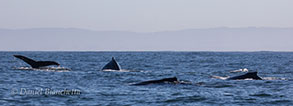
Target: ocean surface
pixel 81 72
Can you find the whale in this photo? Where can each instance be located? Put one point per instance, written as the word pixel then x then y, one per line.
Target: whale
pixel 248 75
pixel 173 80
pixel 112 65
pixel 36 64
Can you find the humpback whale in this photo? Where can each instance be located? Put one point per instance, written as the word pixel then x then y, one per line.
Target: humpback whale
pixel 36 64
pixel 249 75
pixel 165 80
pixel 112 65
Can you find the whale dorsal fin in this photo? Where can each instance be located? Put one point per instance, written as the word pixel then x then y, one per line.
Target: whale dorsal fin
pixel 112 65
pixel 252 73
pixel 255 76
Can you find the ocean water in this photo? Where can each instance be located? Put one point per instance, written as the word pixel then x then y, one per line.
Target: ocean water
pixel 21 85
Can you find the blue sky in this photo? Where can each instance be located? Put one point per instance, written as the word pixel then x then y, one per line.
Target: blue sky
pixel 145 15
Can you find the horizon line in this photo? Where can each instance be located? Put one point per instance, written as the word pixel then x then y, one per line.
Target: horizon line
pixel 167 30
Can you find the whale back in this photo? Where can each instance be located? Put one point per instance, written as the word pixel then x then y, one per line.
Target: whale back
pixel 46 63
pixel 252 75
pixel 112 65
pixel 165 80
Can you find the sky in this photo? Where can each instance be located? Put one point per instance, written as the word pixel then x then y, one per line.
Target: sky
pixel 36 20
pixel 144 15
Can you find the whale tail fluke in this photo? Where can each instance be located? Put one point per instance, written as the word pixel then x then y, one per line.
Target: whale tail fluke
pixel 36 64
pixel 29 61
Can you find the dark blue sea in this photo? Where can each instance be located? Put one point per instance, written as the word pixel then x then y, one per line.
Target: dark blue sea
pixel 81 72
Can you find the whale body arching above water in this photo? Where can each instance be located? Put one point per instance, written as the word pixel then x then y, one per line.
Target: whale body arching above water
pixel 36 64
pixel 249 75
pixel 164 80
pixel 112 65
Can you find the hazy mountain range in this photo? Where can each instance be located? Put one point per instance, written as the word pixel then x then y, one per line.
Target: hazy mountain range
pixel 213 39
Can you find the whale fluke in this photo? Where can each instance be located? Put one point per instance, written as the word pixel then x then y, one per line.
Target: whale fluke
pixel 165 80
pixel 112 65
pixel 249 75
pixel 36 64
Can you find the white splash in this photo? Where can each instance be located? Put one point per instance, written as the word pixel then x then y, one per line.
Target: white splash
pixel 273 78
pixel 51 69
pixel 122 70
pixel 219 77
pixel 109 70
pixel 240 70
